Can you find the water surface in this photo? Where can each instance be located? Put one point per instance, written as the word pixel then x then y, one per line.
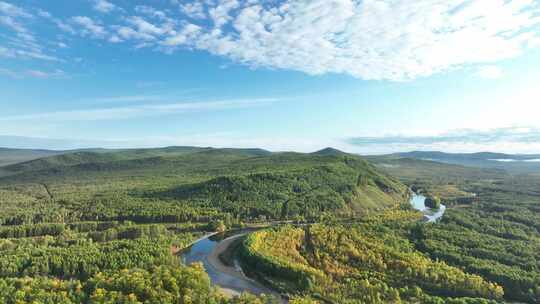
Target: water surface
pixel 431 215
pixel 200 251
pixel 509 160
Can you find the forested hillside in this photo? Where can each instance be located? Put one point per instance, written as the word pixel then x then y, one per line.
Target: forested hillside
pixel 102 226
pixel 191 184
pixel 479 252
pixel 368 262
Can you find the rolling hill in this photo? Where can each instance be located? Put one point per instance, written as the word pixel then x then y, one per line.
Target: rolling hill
pixel 244 183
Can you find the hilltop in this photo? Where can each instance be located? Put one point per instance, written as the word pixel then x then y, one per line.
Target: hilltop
pixel 329 151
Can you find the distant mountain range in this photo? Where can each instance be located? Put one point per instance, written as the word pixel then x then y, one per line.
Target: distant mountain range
pixel 9 156
pixel 510 162
pixel 13 158
pixel 486 156
pixel 17 159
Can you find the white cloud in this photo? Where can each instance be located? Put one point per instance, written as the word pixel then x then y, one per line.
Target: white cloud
pixel 490 72
pixel 13 11
pixel 21 43
pixel 128 33
pixel 89 27
pixel 193 10
pixel 150 11
pixel 32 73
pixel 12 23
pixel 374 39
pixel 515 139
pixel 115 39
pixel 44 14
pixel 23 54
pixel 189 32
pixel 220 13
pixel 103 6
pixel 15 19
pixel 147 28
pixel 370 39
pixel 64 26
pixel 138 28
pixel 44 74
pixel 147 110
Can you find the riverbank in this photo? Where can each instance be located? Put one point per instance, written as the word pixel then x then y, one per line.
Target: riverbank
pixel 218 265
pixel 229 279
pixel 221 247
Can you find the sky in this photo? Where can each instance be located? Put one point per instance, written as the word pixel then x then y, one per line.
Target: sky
pixel 370 76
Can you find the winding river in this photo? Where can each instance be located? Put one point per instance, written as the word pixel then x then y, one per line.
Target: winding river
pixel 232 280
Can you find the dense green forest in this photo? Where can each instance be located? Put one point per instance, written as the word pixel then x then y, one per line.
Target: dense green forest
pixel 489 250
pixel 491 232
pixel 497 238
pixel 367 262
pixel 104 226
pixel 190 184
pixel 492 227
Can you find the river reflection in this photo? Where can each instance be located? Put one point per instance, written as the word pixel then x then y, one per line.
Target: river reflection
pixel 431 215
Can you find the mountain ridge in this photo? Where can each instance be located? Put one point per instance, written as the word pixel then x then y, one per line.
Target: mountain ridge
pixel 236 180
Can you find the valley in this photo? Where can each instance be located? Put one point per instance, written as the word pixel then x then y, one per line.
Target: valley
pixel 269 152
pixel 332 227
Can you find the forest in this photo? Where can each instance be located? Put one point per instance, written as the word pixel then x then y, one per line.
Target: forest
pixel 200 186
pixel 484 249
pixel 106 227
pixel 368 262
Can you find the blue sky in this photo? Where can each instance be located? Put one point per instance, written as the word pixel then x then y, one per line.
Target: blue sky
pixel 370 76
